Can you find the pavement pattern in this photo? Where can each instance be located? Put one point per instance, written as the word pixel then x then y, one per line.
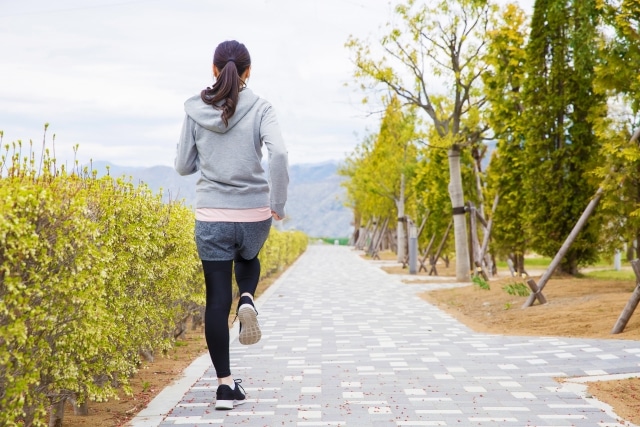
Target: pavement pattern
pixel 346 344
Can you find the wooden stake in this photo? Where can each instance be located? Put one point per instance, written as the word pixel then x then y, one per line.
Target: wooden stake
pixel 426 254
pixel 475 241
pixel 536 291
pixel 434 259
pixel 565 247
pixel 487 235
pixel 374 235
pixel 362 238
pixel 376 247
pixel 631 304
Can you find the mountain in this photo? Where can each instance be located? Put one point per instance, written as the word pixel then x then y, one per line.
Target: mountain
pixel 316 201
pixel 314 206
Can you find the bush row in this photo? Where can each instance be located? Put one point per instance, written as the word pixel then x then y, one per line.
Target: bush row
pixel 93 273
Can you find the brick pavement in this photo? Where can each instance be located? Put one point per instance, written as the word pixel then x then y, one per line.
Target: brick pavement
pixel 346 344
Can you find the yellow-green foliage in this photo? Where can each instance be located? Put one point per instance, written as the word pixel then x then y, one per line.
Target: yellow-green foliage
pixel 48 296
pixel 92 271
pixel 280 250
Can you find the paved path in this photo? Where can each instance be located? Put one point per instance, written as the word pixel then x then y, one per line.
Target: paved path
pixel 345 344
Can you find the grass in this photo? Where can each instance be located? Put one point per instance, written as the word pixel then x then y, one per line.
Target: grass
pixel 332 240
pixel 611 274
pixel 480 283
pixel 535 261
pixel 519 289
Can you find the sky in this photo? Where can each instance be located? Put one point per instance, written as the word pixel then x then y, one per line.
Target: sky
pixel 111 76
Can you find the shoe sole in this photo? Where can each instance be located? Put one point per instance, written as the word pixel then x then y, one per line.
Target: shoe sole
pixel 250 333
pixel 227 404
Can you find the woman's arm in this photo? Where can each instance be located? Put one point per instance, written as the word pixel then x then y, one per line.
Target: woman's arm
pixel 278 161
pixel 186 161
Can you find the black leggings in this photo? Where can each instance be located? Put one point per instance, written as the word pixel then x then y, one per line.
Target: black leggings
pixel 217 277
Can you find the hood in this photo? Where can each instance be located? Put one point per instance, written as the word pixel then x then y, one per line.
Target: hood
pixel 210 118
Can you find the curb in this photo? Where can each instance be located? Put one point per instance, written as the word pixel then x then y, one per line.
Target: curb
pixel 578 386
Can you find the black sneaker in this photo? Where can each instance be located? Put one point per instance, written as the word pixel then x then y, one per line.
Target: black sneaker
pixel 227 398
pixel 249 327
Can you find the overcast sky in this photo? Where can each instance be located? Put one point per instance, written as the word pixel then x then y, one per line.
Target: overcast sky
pixel 112 75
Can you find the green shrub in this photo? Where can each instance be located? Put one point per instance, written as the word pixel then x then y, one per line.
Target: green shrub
pixel 519 289
pixel 480 283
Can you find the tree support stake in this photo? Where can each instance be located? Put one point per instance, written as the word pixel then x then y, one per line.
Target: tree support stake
pixel 564 248
pixel 631 304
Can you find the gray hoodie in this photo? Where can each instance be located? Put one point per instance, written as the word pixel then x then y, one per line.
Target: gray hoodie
pixel 229 158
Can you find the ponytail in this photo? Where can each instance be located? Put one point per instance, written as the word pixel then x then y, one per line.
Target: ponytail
pixel 232 59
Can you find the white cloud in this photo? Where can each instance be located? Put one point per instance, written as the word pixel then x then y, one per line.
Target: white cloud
pixel 112 75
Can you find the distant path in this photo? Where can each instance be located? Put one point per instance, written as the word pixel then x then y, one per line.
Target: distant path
pixel 345 344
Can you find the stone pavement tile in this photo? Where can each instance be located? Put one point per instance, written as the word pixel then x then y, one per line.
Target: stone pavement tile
pixel 346 344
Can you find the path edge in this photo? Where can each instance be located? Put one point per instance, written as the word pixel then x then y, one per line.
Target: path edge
pixel 578 386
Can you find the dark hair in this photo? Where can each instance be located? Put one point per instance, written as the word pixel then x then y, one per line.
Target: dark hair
pixel 232 59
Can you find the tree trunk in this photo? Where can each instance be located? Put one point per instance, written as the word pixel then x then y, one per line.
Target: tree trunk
pixel 374 237
pixel 147 355
pixel 521 269
pixel 475 243
pixel 570 266
pixel 630 250
pixel 57 413
pixel 401 240
pixel 402 235
pixel 459 220
pixel 80 409
pixel 477 171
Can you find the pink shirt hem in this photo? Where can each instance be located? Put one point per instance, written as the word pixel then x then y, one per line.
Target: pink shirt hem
pixel 233 215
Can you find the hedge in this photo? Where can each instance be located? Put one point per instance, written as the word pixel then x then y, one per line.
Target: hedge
pixel 93 273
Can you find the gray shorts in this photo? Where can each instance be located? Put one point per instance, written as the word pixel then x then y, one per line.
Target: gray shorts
pixel 222 241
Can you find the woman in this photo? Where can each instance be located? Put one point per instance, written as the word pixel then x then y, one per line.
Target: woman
pixel 224 130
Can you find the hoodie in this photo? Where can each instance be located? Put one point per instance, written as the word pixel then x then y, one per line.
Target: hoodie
pixel 229 158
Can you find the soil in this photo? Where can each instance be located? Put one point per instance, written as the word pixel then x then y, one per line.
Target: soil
pixel 576 307
pixel 622 395
pixel 151 378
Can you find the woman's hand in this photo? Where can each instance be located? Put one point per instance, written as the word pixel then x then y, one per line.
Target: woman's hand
pixel 276 216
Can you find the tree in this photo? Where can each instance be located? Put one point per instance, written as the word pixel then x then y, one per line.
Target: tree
pixel 396 150
pixel 387 168
pixel 561 145
pixel 617 79
pixel 366 205
pixel 503 80
pixel 432 60
pixel 431 182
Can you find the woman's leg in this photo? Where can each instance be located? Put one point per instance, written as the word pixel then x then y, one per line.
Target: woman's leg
pixel 247 275
pixel 217 277
pixel 247 265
